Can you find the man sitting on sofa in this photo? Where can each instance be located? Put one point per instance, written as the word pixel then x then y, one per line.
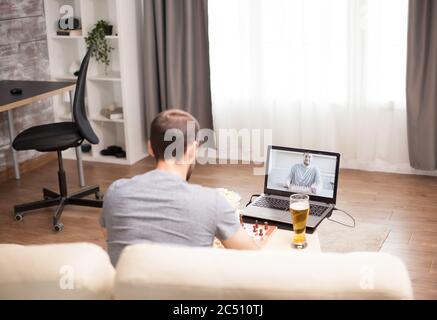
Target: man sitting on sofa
pixel 161 206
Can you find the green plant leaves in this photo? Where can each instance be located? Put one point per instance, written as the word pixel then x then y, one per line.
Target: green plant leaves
pixel 102 46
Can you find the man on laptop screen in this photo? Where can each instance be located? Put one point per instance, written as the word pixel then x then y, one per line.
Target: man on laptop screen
pixel 312 174
pixel 304 176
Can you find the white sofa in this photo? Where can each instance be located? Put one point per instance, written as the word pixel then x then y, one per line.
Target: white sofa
pixel 56 271
pixel 152 271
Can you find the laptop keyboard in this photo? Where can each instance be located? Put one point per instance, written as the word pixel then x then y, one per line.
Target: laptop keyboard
pixel 282 204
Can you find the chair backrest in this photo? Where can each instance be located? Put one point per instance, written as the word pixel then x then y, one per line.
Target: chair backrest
pixel 79 112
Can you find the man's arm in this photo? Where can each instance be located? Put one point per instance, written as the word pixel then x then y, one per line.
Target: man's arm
pixel 228 227
pixel 240 241
pixel 288 181
pixel 317 180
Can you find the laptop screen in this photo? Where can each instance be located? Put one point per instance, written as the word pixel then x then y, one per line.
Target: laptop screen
pixel 302 171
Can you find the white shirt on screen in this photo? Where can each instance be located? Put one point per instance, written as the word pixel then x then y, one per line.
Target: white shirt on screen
pixel 303 176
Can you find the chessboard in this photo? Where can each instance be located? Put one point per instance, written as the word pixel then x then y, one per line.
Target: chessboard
pixel 260 233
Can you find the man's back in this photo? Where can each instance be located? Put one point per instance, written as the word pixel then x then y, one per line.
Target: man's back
pixel 162 207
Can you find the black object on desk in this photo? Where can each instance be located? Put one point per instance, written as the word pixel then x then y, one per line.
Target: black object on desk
pixel 16 91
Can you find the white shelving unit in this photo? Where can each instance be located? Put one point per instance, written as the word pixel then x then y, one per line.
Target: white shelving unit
pixel 120 85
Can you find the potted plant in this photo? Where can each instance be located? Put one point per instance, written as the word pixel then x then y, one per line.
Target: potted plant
pixel 102 46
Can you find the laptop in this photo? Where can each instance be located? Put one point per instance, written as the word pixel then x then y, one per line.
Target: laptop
pixel 290 171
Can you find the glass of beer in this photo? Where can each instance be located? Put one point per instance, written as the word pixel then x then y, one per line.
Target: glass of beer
pixel 299 210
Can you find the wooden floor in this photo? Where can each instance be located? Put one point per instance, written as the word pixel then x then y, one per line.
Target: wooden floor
pixel 405 203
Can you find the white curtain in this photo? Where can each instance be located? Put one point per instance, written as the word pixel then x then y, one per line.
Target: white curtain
pixel 321 74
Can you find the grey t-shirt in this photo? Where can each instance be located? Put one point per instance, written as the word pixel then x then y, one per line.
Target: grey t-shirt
pixel 162 207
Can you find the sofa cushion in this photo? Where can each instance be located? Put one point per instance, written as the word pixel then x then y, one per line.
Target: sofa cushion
pixel 152 271
pixel 58 271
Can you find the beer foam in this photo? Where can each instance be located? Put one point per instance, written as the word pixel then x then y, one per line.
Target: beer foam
pixel 299 206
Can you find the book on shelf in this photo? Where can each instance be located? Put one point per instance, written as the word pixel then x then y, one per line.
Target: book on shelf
pixel 69 33
pixel 112 112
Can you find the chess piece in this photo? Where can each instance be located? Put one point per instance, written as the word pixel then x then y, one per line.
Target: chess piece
pixel 261 232
pixel 266 225
pixel 254 228
pixel 256 223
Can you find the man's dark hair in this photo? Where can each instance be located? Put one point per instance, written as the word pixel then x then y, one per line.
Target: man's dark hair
pixel 176 120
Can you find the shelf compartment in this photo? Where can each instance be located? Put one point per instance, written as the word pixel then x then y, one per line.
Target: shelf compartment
pixel 63 54
pixel 102 94
pixel 103 119
pixel 111 76
pixel 53 14
pixel 97 70
pixel 109 133
pixel 67 37
pixel 55 37
pixel 95 10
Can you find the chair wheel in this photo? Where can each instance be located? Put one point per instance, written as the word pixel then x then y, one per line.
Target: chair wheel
pixel 99 195
pixel 18 217
pixel 58 227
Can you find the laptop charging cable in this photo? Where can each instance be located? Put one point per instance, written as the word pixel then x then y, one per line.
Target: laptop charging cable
pixel 342 223
pixel 251 198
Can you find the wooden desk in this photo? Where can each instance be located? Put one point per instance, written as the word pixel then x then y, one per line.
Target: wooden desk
pixel 33 91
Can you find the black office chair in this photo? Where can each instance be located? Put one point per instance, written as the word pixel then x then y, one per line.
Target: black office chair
pixel 58 137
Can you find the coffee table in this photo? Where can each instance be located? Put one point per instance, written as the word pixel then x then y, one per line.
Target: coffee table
pixel 281 240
